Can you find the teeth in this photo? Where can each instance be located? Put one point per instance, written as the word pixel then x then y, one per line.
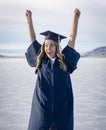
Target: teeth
pixel 49 52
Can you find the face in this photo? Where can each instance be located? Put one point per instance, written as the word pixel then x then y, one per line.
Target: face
pixel 50 48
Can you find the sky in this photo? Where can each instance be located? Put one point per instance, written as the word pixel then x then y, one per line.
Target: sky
pixel 54 15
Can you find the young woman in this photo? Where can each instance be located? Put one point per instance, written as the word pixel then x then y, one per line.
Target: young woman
pixel 52 104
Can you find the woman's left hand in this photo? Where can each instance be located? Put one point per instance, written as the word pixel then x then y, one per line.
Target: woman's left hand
pixel 77 13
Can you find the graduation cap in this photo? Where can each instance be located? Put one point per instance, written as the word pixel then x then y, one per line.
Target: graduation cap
pixel 49 35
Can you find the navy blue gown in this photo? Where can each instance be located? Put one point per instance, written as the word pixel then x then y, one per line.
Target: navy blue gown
pixel 52 103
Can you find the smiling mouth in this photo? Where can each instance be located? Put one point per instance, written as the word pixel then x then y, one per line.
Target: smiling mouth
pixel 49 53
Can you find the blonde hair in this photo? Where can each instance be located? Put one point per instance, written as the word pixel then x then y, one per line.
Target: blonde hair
pixel 58 55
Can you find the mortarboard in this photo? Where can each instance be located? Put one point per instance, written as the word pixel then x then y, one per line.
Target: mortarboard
pixel 49 35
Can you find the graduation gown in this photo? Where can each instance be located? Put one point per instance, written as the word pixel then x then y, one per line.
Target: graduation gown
pixel 52 103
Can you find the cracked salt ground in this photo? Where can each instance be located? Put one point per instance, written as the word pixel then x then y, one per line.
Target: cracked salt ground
pixel 17 82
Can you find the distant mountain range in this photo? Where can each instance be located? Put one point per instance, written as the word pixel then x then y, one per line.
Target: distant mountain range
pixel 5 56
pixel 98 52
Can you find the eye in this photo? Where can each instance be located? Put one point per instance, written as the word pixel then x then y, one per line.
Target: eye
pixel 52 45
pixel 46 45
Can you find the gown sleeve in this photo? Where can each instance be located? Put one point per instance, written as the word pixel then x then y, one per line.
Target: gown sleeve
pixel 32 53
pixel 71 58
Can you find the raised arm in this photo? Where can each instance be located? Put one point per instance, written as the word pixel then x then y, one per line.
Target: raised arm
pixel 32 34
pixel 73 33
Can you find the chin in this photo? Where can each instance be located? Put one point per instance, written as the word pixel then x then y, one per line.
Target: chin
pixel 50 56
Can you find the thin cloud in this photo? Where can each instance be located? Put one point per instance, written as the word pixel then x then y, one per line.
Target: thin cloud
pixel 12 46
pixel 56 16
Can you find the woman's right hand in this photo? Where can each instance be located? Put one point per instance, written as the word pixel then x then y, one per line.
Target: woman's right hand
pixel 32 34
pixel 28 15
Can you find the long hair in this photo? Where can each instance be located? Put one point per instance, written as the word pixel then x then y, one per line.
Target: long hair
pixel 58 55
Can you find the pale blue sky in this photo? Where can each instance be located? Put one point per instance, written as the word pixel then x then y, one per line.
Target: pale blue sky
pixel 55 15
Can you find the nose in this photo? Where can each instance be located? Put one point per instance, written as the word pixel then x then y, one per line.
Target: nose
pixel 48 48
